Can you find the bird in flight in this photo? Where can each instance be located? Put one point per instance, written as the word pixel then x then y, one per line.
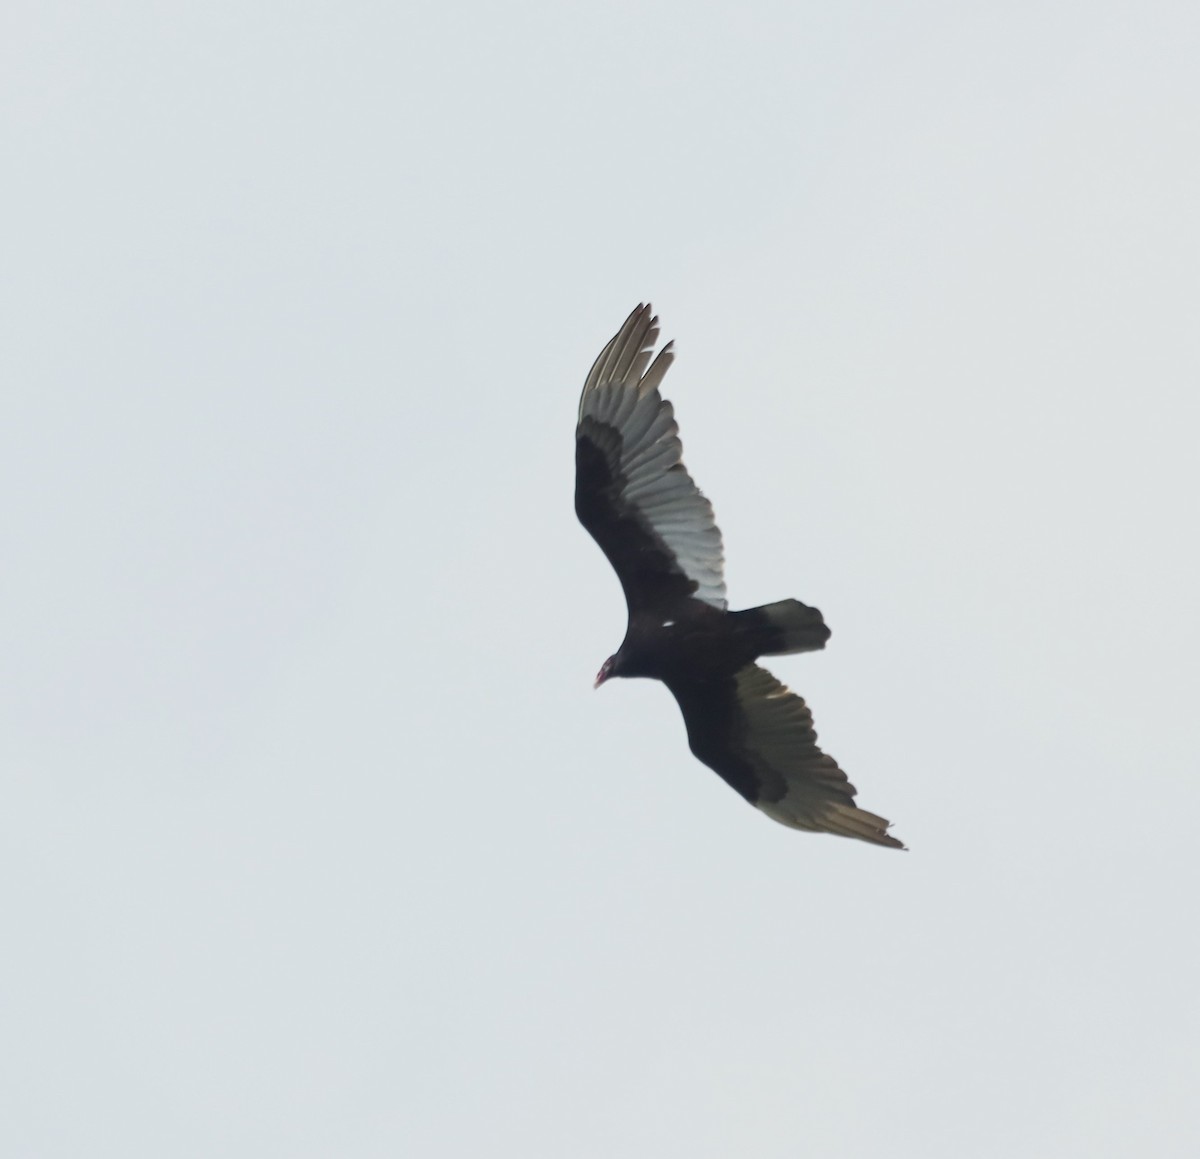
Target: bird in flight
pixel 636 499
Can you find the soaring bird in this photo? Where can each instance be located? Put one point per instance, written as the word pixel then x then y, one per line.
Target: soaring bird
pixel 637 500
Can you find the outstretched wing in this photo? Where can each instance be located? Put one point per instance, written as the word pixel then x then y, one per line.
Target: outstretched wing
pixel 632 492
pixel 759 737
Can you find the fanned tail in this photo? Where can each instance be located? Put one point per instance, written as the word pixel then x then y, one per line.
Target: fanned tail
pixel 784 627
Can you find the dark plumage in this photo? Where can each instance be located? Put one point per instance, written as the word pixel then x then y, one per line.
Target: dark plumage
pixel 637 500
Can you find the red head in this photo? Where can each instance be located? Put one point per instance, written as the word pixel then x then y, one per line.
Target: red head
pixel 606 670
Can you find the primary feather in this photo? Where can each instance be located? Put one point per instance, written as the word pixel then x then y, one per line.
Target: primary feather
pixel 635 497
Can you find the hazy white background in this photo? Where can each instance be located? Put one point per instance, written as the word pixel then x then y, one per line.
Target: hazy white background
pixel 314 839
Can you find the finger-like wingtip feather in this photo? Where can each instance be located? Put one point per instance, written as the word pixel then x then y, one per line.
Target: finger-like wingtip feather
pixel 638 334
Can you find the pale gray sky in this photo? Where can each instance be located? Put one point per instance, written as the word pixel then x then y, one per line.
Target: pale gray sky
pixel 315 840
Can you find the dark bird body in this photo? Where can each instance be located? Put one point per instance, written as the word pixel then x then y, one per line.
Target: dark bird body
pixel 635 497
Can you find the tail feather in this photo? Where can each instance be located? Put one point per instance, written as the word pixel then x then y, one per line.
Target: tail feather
pixel 786 626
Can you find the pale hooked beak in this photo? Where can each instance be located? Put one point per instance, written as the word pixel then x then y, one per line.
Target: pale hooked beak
pixel 604 673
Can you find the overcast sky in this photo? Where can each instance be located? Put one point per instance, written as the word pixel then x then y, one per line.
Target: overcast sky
pixel 314 838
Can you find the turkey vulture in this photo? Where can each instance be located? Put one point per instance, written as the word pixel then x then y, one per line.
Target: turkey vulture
pixel 636 499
